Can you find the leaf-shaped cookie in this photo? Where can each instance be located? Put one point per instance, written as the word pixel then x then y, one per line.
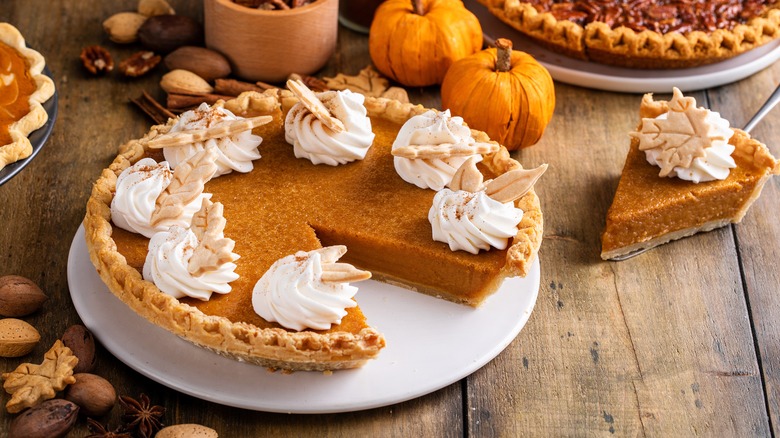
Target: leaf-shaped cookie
pixel 188 181
pixel 213 249
pixel 368 82
pixel 681 137
pixel 30 384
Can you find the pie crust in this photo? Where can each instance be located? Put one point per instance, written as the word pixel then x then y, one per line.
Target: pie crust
pixel 20 146
pixel 624 47
pixel 649 210
pixel 271 347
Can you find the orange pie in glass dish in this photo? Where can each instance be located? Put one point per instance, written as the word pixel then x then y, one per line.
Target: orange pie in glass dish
pixel 643 33
pixel 705 175
pixel 287 211
pixel 23 88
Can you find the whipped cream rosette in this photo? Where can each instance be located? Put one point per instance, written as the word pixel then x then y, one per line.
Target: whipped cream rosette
pixel 307 289
pixel 328 128
pixel 431 128
pixel 235 144
pixel 150 198
pixel 688 142
pixel 195 261
pixel 472 216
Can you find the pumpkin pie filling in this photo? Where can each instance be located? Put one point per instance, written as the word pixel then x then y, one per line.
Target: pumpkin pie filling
pixel 16 87
pixel 288 204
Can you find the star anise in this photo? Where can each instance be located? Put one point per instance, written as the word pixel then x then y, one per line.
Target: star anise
pixel 100 431
pixel 141 415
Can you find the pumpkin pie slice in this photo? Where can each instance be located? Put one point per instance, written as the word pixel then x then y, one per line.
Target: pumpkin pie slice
pixel 23 88
pixel 643 34
pixel 288 204
pixel 649 210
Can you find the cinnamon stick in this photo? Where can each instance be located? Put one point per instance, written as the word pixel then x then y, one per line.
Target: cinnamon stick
pixel 152 108
pixel 233 87
pixel 176 101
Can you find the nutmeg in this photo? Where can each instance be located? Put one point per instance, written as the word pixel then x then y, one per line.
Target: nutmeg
pixel 17 337
pixel 19 296
pixel 206 63
pixel 82 344
pixel 165 33
pixel 51 419
pixel 94 394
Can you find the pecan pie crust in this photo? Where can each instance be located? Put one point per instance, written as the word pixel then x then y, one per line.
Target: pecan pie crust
pixel 662 38
pixel 14 144
pixel 245 337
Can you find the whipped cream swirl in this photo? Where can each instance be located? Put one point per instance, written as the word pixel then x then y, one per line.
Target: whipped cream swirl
pixel 315 142
pixel 292 293
pixel 472 221
pixel 137 189
pixel 431 128
pixel 234 152
pixel 717 162
pixel 166 266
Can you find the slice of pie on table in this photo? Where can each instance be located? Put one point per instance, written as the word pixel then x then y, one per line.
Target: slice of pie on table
pixel 649 209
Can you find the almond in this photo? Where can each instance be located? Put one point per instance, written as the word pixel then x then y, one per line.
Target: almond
pixel 205 63
pixel 19 296
pixel 151 8
pixel 94 394
pixel 17 337
pixel 187 431
pixel 123 27
pixel 184 82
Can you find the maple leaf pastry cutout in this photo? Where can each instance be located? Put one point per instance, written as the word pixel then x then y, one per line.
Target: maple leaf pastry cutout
pixel 682 136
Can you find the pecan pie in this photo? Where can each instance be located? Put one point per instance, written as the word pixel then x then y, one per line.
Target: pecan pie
pixel 644 33
pixel 285 205
pixel 23 88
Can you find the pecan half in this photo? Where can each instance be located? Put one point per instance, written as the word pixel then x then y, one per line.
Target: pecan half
pixel 139 63
pixel 97 60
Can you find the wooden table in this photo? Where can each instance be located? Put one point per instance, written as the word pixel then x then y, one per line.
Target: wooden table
pixel 681 341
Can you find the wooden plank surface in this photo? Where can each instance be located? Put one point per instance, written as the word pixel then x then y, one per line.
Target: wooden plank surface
pixel 682 341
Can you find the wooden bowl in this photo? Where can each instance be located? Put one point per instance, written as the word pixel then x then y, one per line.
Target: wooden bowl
pixel 269 45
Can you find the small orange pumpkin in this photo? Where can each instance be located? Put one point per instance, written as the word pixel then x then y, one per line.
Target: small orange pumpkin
pixel 505 93
pixel 415 41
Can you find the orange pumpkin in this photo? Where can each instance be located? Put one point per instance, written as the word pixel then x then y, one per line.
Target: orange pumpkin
pixel 505 93
pixel 415 41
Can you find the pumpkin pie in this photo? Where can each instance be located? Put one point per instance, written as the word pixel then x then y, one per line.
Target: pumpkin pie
pixel 286 205
pixel 23 88
pixel 644 34
pixel 649 210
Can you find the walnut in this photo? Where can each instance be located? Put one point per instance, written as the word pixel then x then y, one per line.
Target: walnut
pixel 97 60
pixel 30 384
pixel 139 63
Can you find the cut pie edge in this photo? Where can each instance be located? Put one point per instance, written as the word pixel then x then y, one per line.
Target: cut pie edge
pixel 20 146
pixel 625 47
pixel 271 347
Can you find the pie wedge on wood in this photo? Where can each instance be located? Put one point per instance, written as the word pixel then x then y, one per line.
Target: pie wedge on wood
pixel 642 33
pixel 286 205
pixel 649 210
pixel 23 88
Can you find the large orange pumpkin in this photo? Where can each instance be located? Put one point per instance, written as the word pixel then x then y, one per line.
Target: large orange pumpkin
pixel 415 41
pixel 505 93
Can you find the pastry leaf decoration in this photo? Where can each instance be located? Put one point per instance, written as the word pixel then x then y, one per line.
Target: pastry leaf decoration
pixel 682 137
pixel 30 384
pixel 189 180
pixel 214 249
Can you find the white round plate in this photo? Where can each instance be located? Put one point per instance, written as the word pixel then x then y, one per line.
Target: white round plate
pixel 430 344
pixel 605 77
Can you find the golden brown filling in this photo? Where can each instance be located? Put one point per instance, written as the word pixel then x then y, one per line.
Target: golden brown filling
pixel 287 204
pixel 16 86
pixel 650 206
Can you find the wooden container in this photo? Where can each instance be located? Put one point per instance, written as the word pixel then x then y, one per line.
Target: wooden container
pixel 269 45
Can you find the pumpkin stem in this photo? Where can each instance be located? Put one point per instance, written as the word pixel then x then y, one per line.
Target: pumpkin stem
pixel 503 54
pixel 418 7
